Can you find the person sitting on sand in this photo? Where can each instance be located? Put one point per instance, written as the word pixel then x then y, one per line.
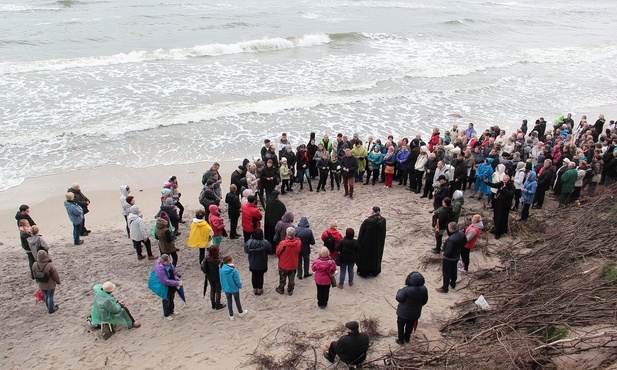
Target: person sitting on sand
pixel 351 348
pixel 107 309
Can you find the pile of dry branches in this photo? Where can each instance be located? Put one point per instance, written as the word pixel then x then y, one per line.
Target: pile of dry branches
pixel 544 300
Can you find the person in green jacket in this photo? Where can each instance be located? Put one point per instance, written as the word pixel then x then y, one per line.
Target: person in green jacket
pixel 360 153
pixel 108 309
pixel 567 184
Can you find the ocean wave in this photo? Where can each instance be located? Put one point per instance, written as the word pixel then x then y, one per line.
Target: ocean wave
pixel 13 8
pixel 206 50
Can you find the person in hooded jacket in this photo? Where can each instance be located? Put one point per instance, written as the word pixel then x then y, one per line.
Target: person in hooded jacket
pixel 285 222
pixel 324 267
pixel 519 179
pixel 169 208
pixel 200 235
pixel 503 204
pixel 83 202
pixel 207 197
pixel 500 172
pixel 231 285
pixel 458 201
pixel 288 251
pixel 410 299
pixel 211 268
pixel 217 225
pixel 371 238
pixel 484 171
pixel 165 237
pixel 258 249
pixel 305 234
pixel 107 309
pixel 139 235
pixel 24 233
pixel 529 192
pixel 125 190
pixel 268 178
pixel 168 277
pixel 348 254
pixel 24 214
pixel 472 233
pixel 336 236
pixel 451 254
pixel 36 242
pixel 545 177
pixel 43 264
pixel 275 209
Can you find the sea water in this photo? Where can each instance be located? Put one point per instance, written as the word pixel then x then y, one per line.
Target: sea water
pixel 138 83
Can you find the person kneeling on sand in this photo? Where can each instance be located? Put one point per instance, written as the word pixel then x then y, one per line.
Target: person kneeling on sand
pixel 107 309
pixel 350 348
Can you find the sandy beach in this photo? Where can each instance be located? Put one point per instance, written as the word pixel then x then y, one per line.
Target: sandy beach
pixel 200 336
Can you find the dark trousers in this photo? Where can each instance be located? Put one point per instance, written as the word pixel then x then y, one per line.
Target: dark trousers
pixel 539 200
pixel 247 235
pixel 335 177
pixel 303 261
pixel 233 225
pixel 412 177
pixel 323 293
pixel 525 212
pixel 84 231
pixel 449 274
pixel 405 328
pixel 332 353
pixel 215 293
pixel 230 307
pixel 439 240
pixel 257 278
pixel 517 197
pixel 137 246
pixel 564 199
pixel 285 275
pixel 418 180
pixel 375 174
pixel 168 304
pixel 428 185
pixel 465 258
pixel 181 208
pixel 202 255
pixel 31 262
pixel 284 186
pixel 76 233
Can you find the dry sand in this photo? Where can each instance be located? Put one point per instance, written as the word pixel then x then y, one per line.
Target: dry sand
pixel 200 337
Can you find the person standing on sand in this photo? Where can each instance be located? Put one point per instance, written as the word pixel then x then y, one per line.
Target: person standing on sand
pixel 76 215
pixel 275 209
pixel 347 250
pixel 175 194
pixel 324 267
pixel 251 217
pixel 371 238
pixel 349 165
pixel 164 236
pixel 200 235
pixel 107 309
pixel 217 225
pixel 231 285
pixel 451 254
pixel 410 299
pixel 168 283
pixel 210 267
pixel 47 277
pixel 139 235
pixel 24 234
pixel 288 251
pixel 24 214
pixel 83 202
pixel 36 241
pixel 233 210
pixel 472 233
pixel 125 190
pixel 305 234
pixel 258 249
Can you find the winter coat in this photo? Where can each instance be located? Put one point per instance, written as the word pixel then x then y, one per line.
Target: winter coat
pixel 348 250
pixel 323 267
pixel 80 199
pixel 106 308
pixel 529 188
pixel 376 159
pixel 568 179
pixel 401 160
pixel 412 297
pixel 258 251
pixel 164 236
pixel 43 263
pixel 360 153
pixel 500 172
pixel 230 279
pixel 215 221
pixel 75 212
pixel 36 243
pixel 305 234
pixel 268 173
pixel 484 170
pixel 284 172
pixel 280 230
pixel 351 163
pixel 250 217
pixel 472 233
pixel 453 246
pixel 200 235
pixel 137 226
pixel 212 271
pixel 288 251
pixel 457 206
pixel 519 178
pixel 207 197
pixel 545 178
pixel 124 205
pixel 444 216
pixel 233 204
pixel 371 238
pixel 170 279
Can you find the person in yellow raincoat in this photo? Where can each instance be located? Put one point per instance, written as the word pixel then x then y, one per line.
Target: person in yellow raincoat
pixel 201 234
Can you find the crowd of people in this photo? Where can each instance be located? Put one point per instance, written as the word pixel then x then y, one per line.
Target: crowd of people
pixel 508 171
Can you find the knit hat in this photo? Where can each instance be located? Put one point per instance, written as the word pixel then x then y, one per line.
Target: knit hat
pixel 109 287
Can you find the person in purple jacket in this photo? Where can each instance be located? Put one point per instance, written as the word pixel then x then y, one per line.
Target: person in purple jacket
pixel 166 273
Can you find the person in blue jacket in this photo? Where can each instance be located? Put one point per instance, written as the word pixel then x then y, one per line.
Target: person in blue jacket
pixel 231 285
pixel 164 282
pixel 484 170
pixel 401 164
pixel 375 159
pixel 410 299
pixel 529 192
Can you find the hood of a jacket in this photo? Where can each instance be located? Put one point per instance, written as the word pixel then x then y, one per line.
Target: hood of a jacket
pixel 500 168
pixel 162 223
pixel 123 190
pixel 200 223
pixel 532 176
pixel 415 279
pixel 288 217
pixel 42 256
pixel 226 270
pixel 134 209
pixel 303 222
pixel 214 210
pixel 478 224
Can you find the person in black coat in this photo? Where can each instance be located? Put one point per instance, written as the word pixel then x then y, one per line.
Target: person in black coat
pixel 411 298
pixel 545 178
pixel 233 210
pixel 451 254
pixel 348 255
pixel 349 165
pixel 414 153
pixel 275 209
pixel 268 178
pixel 207 197
pixel 350 348
pixel 258 249
pixel 169 208
pixel 460 174
pixel 503 203
pixel 371 238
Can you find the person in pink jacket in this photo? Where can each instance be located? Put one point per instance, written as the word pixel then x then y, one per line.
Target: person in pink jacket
pixel 323 267
pixel 217 224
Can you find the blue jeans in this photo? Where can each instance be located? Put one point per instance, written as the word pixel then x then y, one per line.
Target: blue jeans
pixel 236 297
pixel 48 297
pixel 304 172
pixel 344 268
pixel 76 233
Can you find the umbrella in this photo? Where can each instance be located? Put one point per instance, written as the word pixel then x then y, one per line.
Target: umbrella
pixel 181 293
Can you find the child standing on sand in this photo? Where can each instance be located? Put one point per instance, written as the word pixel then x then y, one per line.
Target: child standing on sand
pixel 231 285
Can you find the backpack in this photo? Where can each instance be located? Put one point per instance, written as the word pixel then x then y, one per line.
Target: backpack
pixel 41 276
pixel 329 242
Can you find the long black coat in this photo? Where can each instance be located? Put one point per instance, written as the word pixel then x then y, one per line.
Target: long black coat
pixel 275 209
pixel 503 203
pixel 372 238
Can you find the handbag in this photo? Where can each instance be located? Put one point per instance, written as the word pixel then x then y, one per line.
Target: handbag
pixel 389 169
pixel 333 281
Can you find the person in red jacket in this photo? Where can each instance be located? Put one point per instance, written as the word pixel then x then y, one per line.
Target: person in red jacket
pixel 250 218
pixel 336 235
pixel 288 251
pixel 472 233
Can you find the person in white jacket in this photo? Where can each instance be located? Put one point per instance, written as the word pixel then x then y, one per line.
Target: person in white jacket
pixel 125 206
pixel 519 179
pixel 139 234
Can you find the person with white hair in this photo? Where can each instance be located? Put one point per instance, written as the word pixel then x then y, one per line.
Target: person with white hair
pixel 139 235
pixel 83 202
pixel 76 215
pixel 108 309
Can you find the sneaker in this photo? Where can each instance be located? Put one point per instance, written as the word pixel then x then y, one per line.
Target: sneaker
pixel 220 306
pixel 244 312
pixel 436 251
pixel 169 318
pixel 175 313
pixel 231 317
